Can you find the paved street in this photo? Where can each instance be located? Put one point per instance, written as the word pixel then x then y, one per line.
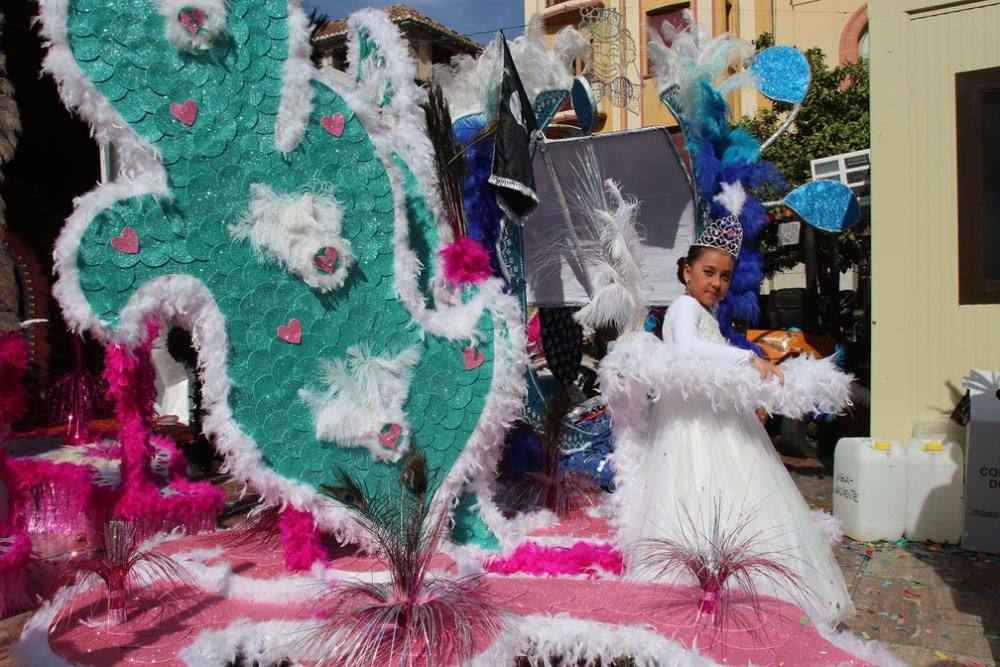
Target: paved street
pixel 933 605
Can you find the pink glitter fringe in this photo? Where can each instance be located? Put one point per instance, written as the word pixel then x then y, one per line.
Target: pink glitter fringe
pixel 14 358
pixel 582 558
pixel 64 498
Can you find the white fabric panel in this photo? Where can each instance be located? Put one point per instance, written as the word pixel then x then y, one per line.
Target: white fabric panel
pixel 173 385
pixel 647 166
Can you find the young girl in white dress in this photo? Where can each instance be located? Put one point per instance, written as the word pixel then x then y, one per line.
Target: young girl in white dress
pixel 704 461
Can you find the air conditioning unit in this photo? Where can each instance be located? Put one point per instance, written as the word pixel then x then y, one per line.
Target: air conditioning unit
pixel 851 169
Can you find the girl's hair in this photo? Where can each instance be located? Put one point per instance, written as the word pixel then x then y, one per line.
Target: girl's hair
pixel 694 252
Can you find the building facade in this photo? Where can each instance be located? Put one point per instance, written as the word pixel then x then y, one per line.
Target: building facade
pixel 839 27
pixel 430 42
pixel 935 113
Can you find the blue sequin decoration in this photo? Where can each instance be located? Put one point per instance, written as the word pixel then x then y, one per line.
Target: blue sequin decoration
pixel 782 74
pixel 828 205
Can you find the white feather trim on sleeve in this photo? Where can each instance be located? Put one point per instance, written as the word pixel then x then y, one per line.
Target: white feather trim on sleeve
pixel 639 364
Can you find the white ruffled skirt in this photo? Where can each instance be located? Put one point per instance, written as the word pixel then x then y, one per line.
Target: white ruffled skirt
pixel 700 466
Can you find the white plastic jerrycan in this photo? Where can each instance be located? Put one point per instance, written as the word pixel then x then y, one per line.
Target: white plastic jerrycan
pixel 869 488
pixel 935 480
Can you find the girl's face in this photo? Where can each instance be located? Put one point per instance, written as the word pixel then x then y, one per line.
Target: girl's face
pixel 708 277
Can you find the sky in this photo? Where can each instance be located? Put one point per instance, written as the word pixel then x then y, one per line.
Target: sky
pixel 464 16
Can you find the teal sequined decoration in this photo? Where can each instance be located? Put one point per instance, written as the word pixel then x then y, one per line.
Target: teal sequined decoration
pixel 212 116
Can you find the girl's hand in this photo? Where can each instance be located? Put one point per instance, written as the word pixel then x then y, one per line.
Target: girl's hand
pixel 767 370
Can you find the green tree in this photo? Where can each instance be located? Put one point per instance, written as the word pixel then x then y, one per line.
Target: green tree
pixel 834 119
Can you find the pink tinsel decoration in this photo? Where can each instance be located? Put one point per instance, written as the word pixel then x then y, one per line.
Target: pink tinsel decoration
pixel 581 558
pixel 535 336
pixel 301 540
pixel 15 545
pixel 194 506
pixel 131 380
pixel 465 262
pixel 153 491
pixel 14 358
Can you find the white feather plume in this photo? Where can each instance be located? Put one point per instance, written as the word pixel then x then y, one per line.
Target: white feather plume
pixel 732 196
pixel 470 85
pixel 569 45
pixel 612 255
pixel 694 56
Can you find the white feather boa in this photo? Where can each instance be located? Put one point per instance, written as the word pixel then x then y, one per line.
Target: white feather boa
pixel 639 365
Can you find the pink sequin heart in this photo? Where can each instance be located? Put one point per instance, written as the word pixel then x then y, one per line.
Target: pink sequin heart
pixel 127 242
pixel 185 113
pixel 390 438
pixel 192 19
pixel 334 124
pixel 326 262
pixel 291 333
pixel 472 358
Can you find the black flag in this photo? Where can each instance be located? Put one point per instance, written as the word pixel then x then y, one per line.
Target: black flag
pixel 512 174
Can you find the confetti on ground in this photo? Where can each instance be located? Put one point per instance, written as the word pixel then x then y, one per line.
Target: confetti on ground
pixel 937 599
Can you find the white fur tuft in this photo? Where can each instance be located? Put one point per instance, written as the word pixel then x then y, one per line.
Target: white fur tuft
pixel 693 57
pixel 364 393
pixel 212 23
pixel 569 45
pixel 292 228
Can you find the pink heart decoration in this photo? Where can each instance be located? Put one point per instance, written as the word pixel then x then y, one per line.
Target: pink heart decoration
pixel 127 242
pixel 326 262
pixel 390 438
pixel 192 19
pixel 291 333
pixel 334 124
pixel 185 113
pixel 472 358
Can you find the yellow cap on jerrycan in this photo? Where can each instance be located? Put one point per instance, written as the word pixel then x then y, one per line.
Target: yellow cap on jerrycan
pixel 933 447
pixel 882 446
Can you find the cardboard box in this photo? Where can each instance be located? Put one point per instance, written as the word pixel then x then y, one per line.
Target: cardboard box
pixel 982 467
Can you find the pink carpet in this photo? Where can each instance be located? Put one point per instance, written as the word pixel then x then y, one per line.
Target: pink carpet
pixel 239 594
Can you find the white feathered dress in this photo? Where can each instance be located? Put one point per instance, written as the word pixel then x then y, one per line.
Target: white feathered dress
pixel 700 453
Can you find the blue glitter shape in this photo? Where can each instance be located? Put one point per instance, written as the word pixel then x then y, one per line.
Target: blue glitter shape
pixel 828 205
pixel 782 74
